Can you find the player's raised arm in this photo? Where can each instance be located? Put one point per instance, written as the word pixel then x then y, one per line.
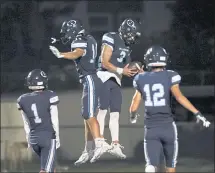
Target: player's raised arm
pixel 184 101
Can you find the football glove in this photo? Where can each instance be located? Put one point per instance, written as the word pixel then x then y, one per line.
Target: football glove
pixel 133 117
pixel 201 118
pixel 56 52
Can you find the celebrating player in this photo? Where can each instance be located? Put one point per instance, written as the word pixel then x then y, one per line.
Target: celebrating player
pixel 84 53
pixel 114 57
pixel 154 88
pixel 40 115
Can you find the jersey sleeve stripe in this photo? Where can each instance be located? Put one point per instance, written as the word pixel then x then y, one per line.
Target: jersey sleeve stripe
pixel 54 99
pixel 108 39
pixel 176 78
pixel 79 45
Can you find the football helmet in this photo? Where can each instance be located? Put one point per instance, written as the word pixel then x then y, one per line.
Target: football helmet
pixel 37 80
pixel 156 56
pixel 130 31
pixel 70 29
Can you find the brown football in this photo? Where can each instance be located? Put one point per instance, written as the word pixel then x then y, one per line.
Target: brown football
pixel 135 65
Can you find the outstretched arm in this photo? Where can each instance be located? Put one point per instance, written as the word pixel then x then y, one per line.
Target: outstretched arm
pixel 188 105
pixel 182 99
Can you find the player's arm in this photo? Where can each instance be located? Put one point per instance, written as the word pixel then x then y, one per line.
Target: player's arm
pixel 78 49
pixel 54 100
pixel 176 92
pixel 182 99
pixel 25 121
pixel 135 103
pixel 73 55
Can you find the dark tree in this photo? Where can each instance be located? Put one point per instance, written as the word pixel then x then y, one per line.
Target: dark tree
pixel 193 32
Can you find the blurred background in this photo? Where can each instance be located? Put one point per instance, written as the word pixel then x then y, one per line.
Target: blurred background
pixel 186 29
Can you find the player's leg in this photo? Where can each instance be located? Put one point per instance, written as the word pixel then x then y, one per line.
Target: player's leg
pixel 115 109
pixel 90 104
pixel 48 155
pixel 152 149
pixel 89 146
pixel 104 102
pixel 170 145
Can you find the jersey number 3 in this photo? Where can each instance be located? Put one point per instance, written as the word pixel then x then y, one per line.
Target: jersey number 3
pixel 122 56
pixel 156 99
pixel 37 119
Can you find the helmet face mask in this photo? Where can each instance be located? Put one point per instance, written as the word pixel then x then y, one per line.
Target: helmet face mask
pixel 70 29
pixel 130 31
pixel 37 80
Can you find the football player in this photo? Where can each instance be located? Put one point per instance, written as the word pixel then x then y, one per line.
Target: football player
pixel 114 60
pixel 84 53
pixel 40 115
pixel 154 87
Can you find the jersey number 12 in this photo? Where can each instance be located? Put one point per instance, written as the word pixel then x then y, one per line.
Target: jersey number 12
pixel 156 99
pixel 37 119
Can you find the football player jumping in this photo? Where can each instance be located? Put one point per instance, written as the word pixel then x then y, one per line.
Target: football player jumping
pixel 114 58
pixel 84 53
pixel 154 87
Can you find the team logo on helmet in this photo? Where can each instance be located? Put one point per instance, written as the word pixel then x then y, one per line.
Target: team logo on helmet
pixel 71 23
pixel 43 74
pixel 131 23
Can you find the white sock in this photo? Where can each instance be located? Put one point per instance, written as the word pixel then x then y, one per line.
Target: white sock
pixel 114 125
pixel 101 119
pixel 98 142
pixel 89 145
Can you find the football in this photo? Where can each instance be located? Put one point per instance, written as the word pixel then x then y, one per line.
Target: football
pixel 135 65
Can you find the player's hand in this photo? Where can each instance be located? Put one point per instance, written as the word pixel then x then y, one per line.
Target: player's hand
pixel 128 72
pixel 57 143
pixel 56 52
pixel 201 118
pixel 134 117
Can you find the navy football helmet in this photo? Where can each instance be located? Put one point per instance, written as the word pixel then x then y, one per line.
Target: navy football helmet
pixel 156 56
pixel 37 80
pixel 70 29
pixel 130 31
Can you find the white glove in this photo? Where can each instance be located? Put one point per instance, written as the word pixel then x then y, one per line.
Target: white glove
pixel 56 52
pixel 54 40
pixel 57 142
pixel 200 117
pixel 133 117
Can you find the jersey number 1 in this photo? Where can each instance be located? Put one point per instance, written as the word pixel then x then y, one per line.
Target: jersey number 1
pixel 157 97
pixel 37 119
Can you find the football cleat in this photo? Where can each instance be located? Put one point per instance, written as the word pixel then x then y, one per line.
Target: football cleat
pixel 85 156
pixel 99 151
pixel 117 151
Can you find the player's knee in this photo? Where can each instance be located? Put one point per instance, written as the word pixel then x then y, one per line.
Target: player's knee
pixel 43 171
pixel 150 168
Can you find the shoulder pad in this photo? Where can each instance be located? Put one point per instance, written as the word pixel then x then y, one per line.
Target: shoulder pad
pixel 81 37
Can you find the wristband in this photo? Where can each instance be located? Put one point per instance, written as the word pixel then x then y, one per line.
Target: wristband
pixel 119 70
